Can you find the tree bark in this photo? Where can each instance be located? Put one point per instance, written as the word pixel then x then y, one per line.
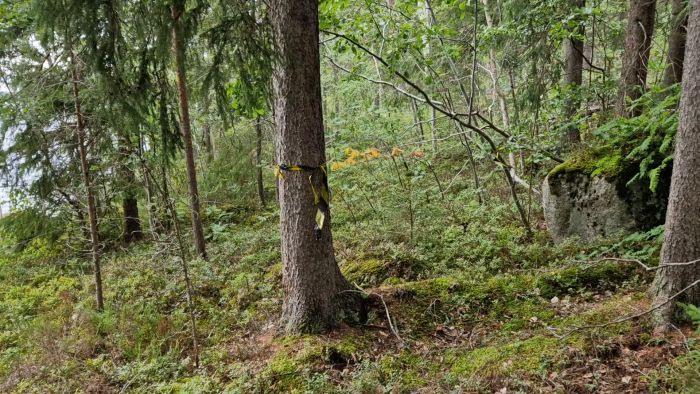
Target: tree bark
pixel 676 44
pixel 573 78
pixel 417 120
pixel 315 292
pixel 258 162
pixel 148 189
pixel 207 141
pixel 185 125
pixel 87 181
pixel 132 223
pixel 638 39
pixel 682 234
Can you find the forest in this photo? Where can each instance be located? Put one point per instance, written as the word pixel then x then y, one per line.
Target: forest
pixel 514 190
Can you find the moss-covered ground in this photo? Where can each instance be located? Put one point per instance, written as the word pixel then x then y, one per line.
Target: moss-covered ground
pixel 467 327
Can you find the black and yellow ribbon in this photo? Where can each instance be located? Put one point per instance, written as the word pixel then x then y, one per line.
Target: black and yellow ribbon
pixel 322 198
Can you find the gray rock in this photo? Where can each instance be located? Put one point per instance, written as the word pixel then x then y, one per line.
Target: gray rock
pixel 579 205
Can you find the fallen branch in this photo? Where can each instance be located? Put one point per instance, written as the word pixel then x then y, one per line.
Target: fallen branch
pixel 635 316
pixel 639 262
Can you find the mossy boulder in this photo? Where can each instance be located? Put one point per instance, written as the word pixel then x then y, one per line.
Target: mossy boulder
pixel 591 197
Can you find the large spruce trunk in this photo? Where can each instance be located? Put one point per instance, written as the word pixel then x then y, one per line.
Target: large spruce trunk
pixel 573 78
pixel 315 291
pixel 185 126
pixel 682 235
pixel 676 43
pixel 638 39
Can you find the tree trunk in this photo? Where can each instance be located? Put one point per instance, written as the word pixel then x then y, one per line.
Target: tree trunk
pixel 682 235
pixel 258 162
pixel 313 284
pixel 573 78
pixel 417 120
pixel 428 51
pixel 85 167
pixel 152 213
pixel 132 223
pixel 165 197
pixel 638 39
pixel 676 44
pixel 207 141
pixel 179 52
pixel 501 99
pixel 148 189
pixel 206 130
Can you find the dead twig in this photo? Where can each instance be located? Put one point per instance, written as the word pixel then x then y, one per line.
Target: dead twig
pixel 635 316
pixel 392 326
pixel 639 262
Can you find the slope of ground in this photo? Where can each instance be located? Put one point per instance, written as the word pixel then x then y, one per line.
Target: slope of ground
pixel 517 318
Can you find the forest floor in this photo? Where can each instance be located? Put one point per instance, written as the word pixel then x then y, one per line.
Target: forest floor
pixel 534 319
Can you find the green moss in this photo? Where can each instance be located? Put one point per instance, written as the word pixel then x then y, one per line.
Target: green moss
pixel 519 314
pixel 522 357
pixel 308 350
pixel 274 273
pixel 603 314
pixel 604 276
pixel 350 344
pixel 581 162
pixel 439 288
pixel 609 166
pixel 595 163
pixel 406 370
pixel 508 284
pixel 371 271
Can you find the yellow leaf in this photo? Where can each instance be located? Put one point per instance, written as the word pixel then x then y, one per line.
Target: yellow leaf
pixel 338 165
pixel 372 153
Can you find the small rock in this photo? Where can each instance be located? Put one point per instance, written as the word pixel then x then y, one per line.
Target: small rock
pixel 554 300
pixel 626 379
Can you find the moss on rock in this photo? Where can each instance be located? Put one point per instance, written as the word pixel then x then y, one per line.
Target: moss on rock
pixel 591 162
